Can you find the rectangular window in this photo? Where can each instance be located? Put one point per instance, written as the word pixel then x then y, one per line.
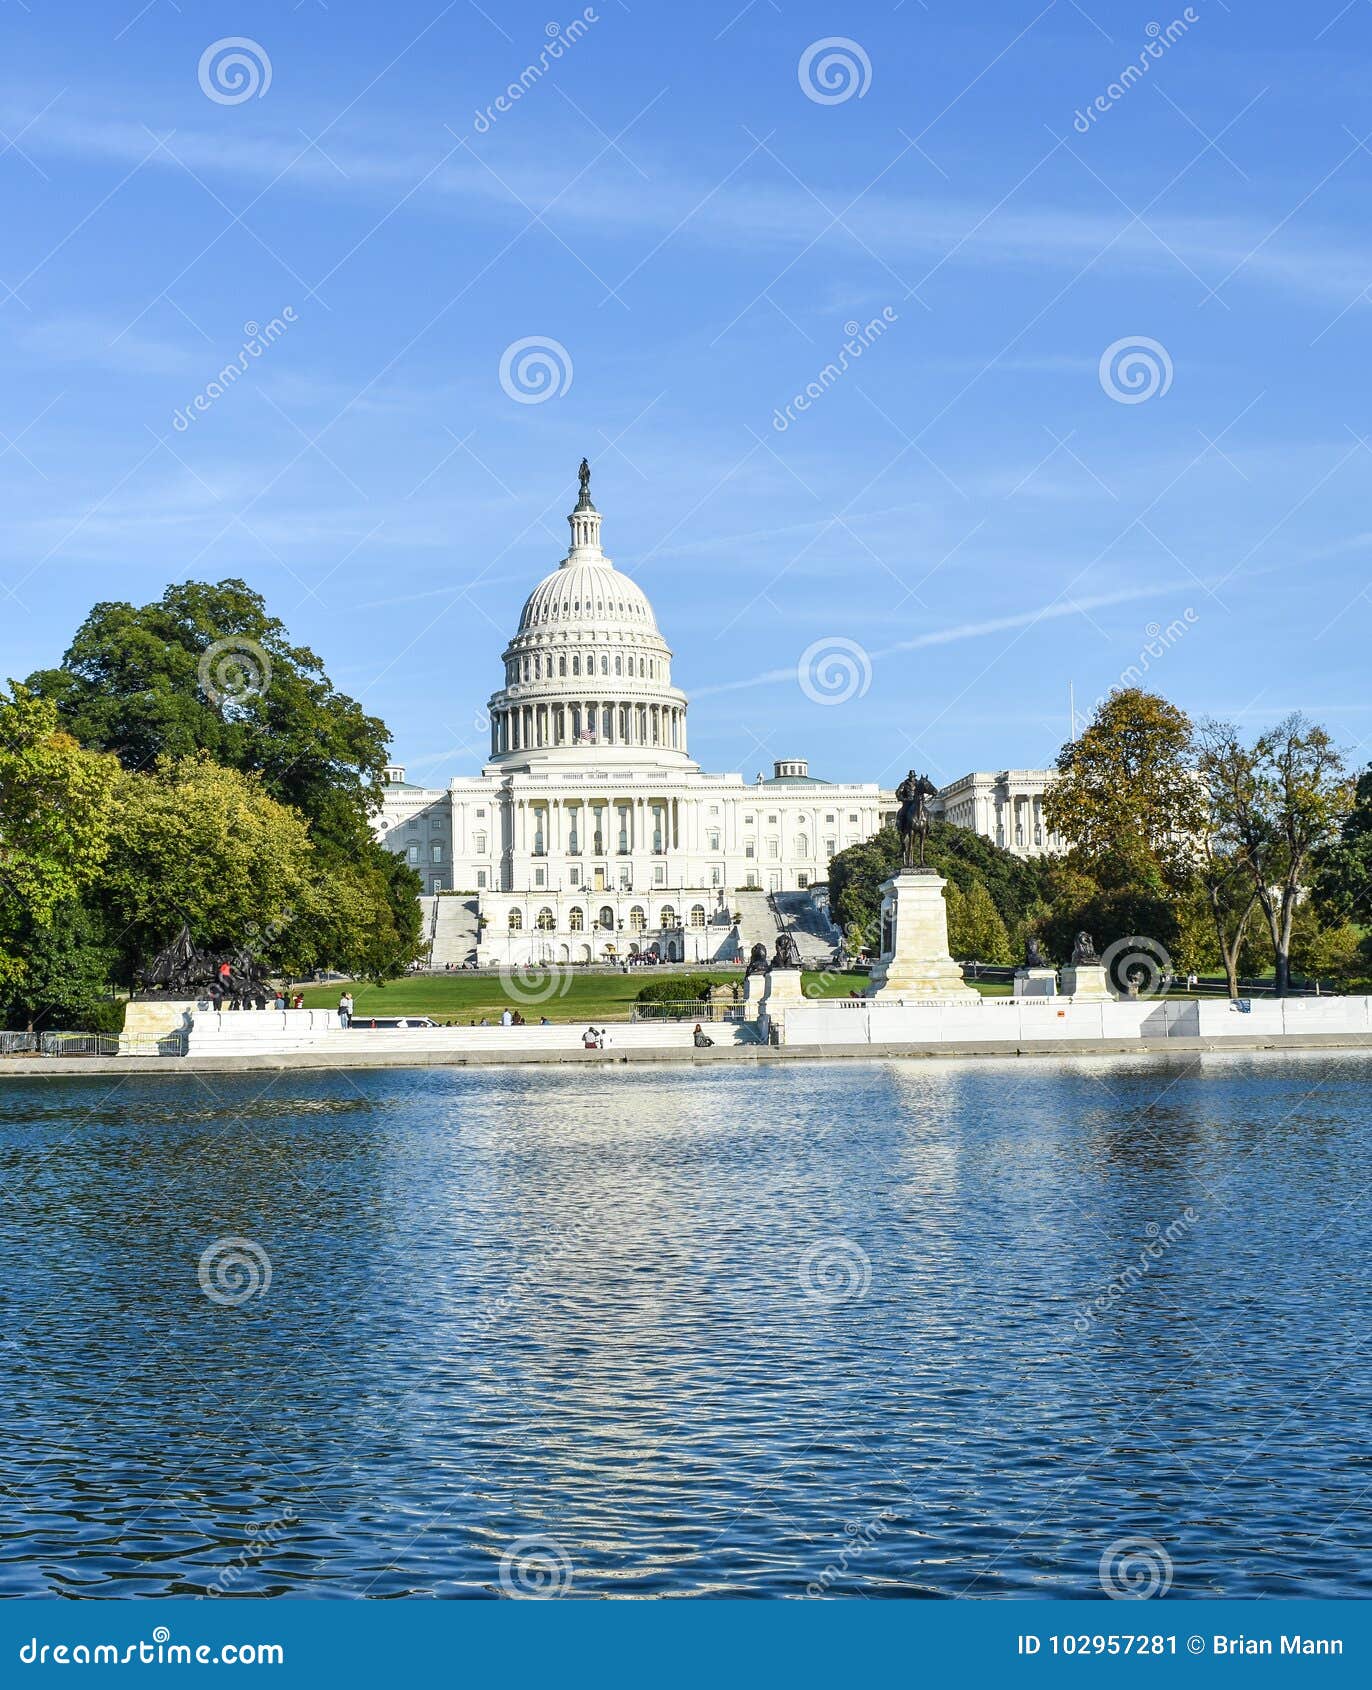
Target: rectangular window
pixel 481 880
pixel 574 874
pixel 714 838
pixel 437 851
pixel 540 877
pixel 659 874
pixel 717 875
pixel 773 849
pixel 802 880
pixel 830 847
pixel 749 850
pixel 413 853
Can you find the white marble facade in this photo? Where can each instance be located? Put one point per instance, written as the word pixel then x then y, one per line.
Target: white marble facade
pixel 591 832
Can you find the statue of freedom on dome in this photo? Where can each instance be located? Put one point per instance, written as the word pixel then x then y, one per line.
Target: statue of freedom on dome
pixel 583 475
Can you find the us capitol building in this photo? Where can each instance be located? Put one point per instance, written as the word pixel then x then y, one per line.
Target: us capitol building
pixel 590 834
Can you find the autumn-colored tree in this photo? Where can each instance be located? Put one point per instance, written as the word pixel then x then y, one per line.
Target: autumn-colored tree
pixel 1127 801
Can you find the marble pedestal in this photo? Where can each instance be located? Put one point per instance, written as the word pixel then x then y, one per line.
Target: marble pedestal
pixel 754 990
pixel 1036 982
pixel 1087 983
pixel 783 992
pixel 146 1019
pixel 915 962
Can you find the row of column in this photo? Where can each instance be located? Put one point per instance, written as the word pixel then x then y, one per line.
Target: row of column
pixel 597 827
pixel 525 727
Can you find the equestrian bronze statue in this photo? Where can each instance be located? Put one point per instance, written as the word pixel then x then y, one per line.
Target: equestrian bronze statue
pixel 913 818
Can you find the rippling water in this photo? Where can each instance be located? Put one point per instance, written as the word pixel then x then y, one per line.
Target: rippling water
pixel 916 1329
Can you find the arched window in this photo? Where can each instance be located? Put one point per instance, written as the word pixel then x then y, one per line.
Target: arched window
pixel 619 665
pixel 637 919
pixel 576 665
pixel 607 917
pixel 605 666
pixel 802 844
pixel 697 915
pixel 516 921
pixel 546 923
pixel 576 921
pixel 562 665
pixel 668 916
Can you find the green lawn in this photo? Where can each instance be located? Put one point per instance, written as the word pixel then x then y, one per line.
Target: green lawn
pixel 574 997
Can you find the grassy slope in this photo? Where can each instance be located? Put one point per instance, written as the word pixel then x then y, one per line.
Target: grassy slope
pixel 462 997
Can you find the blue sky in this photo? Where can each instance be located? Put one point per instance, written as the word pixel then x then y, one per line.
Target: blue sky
pixel 971 510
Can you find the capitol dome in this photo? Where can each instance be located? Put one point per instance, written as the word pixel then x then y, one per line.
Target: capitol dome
pixel 588 673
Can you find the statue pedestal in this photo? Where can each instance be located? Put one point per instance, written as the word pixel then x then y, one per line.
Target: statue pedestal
pixel 915 962
pixel 783 992
pixel 754 990
pixel 146 1019
pixel 1087 983
pixel 1036 982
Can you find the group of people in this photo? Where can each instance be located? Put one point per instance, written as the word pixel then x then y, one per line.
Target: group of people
pixel 265 999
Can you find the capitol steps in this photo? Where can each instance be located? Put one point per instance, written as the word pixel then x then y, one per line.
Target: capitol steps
pixel 757 920
pixel 455 931
pixel 815 935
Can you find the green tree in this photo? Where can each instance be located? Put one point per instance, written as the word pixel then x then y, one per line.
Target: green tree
pixel 206 669
pixel 1343 882
pixel 980 933
pixel 1127 801
pixel 66 979
pixel 55 820
pixel 1283 803
pixel 206 845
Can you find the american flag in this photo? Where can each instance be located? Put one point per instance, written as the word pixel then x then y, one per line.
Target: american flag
pixel 587 734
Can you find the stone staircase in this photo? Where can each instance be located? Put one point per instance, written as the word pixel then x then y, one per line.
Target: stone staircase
pixel 451 924
pixel 758 924
pixel 815 936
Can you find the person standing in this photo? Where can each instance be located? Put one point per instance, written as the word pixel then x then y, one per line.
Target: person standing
pixel 506 1019
pixel 345 1010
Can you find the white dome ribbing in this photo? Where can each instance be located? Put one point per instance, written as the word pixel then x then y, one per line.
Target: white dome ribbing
pixel 588 674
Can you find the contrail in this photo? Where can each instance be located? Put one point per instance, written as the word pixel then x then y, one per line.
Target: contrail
pixel 968 631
